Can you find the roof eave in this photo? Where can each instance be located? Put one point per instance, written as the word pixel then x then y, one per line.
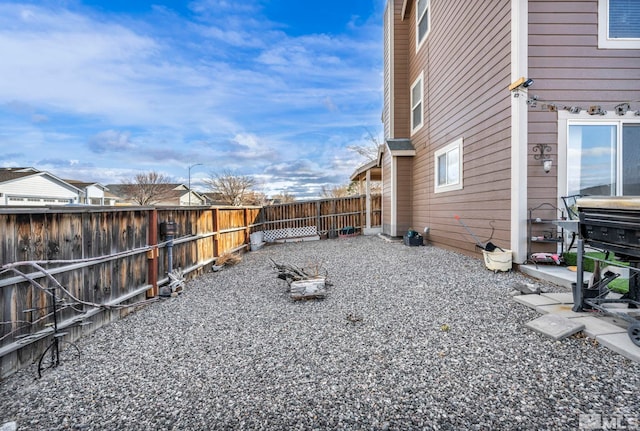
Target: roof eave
pixel 363 169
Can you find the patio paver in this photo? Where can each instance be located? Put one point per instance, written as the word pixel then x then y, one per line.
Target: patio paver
pixel 555 326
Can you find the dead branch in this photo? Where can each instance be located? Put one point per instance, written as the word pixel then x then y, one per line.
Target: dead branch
pixel 228 259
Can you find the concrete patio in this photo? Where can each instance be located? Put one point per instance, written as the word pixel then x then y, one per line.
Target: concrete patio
pixel 607 329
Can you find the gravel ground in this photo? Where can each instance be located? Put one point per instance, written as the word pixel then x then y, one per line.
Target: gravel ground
pixel 408 338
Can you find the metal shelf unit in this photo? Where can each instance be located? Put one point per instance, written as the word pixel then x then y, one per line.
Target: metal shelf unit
pixel 541 228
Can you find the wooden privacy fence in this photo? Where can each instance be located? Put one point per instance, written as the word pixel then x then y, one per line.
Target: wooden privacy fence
pixel 102 262
pixel 99 259
pixel 329 215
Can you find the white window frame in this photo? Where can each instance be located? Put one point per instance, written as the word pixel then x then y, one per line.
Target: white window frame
pixel 448 149
pixel 604 41
pixel 419 18
pixel 414 104
pixel 566 119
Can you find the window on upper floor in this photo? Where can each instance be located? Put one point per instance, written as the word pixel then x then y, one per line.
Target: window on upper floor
pixel 619 24
pixel 416 104
pixel 423 21
pixel 448 172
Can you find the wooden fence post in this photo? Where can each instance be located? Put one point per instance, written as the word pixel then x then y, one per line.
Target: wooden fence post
pixel 247 229
pixel 318 218
pixel 216 232
pixel 152 255
pixel 333 232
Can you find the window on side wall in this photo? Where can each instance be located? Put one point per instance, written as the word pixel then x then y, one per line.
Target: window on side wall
pixel 416 104
pixel 604 159
pixel 423 21
pixel 448 167
pixel 619 24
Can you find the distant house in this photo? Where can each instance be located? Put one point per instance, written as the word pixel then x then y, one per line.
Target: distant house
pixel 493 108
pixel 181 195
pixel 93 193
pixel 164 195
pixel 30 187
pixel 214 199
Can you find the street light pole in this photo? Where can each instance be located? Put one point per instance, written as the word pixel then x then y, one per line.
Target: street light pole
pixel 195 164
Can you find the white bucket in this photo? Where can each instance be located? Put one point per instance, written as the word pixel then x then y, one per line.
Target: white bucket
pixel 257 237
pixel 498 260
pixel 254 247
pixel 257 240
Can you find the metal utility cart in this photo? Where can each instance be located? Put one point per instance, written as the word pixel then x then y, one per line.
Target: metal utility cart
pixel 611 224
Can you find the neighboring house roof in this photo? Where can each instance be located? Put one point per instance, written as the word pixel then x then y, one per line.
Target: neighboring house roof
pixel 8 175
pixel 84 185
pixel 115 189
pixel 170 192
pixel 214 198
pixel 12 174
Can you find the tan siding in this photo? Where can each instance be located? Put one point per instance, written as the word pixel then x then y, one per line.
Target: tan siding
pixel 401 74
pixel 387 111
pixel 405 198
pixel 467 70
pixel 570 70
pixel 386 193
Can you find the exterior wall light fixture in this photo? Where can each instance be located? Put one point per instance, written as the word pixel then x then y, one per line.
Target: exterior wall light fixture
pixel 596 110
pixel 520 84
pixel 622 108
pixel 543 154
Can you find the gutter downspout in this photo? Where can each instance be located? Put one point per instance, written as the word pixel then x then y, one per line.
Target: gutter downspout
pixel 519 131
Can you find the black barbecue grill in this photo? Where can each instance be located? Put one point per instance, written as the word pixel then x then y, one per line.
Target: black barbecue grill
pixel 610 224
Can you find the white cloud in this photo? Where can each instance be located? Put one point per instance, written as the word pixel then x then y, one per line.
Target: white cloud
pixel 110 140
pixel 227 87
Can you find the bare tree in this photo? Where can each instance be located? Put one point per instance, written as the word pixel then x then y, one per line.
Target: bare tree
pixel 232 189
pixel 340 191
pixel 254 198
pixel 147 188
pixel 284 198
pixel 369 150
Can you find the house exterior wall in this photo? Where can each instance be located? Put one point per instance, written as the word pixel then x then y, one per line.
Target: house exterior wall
pixel 37 190
pixel 404 179
pixel 570 70
pixel 466 69
pixel 400 121
pixel 95 195
pixel 387 113
pixel 387 187
pixel 472 53
pixel 195 199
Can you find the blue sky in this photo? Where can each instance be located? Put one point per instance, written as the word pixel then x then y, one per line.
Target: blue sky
pixel 277 89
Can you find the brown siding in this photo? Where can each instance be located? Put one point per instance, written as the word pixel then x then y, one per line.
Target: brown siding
pixel 570 70
pixel 404 177
pixel 386 111
pixel 401 81
pixel 386 193
pixel 466 65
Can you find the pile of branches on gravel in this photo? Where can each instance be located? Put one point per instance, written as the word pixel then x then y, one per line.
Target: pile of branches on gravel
pixel 227 259
pixel 304 283
pixel 290 273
